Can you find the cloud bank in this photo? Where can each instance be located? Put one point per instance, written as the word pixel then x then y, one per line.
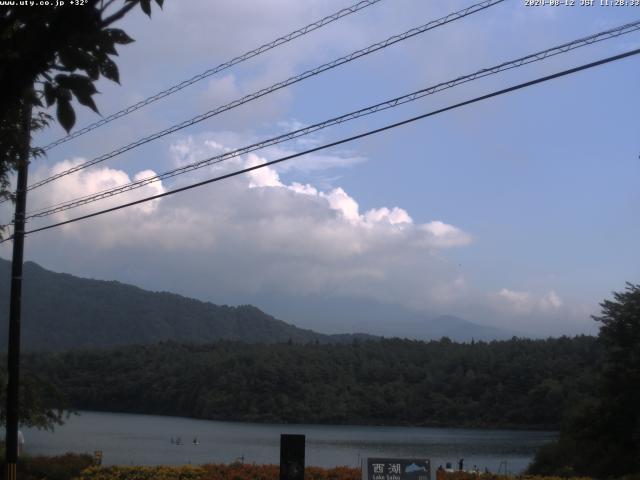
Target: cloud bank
pixel 265 232
pixel 257 234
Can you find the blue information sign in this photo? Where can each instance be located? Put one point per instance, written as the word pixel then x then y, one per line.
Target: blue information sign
pixel 398 469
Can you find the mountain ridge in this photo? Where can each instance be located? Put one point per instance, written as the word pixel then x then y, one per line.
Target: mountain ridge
pixel 62 311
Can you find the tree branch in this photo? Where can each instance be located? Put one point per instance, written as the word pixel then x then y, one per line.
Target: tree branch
pixel 103 7
pixel 120 13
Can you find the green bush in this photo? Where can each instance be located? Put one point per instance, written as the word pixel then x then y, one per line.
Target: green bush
pixel 63 467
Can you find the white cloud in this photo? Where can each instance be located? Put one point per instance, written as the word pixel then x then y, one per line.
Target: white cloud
pixel 540 312
pixel 525 303
pixel 304 189
pixel 191 149
pixel 444 235
pixel 518 302
pixel 262 177
pixel 85 182
pixel 340 201
pixel 550 301
pixel 251 233
pixel 394 216
pixel 257 234
pixel 435 234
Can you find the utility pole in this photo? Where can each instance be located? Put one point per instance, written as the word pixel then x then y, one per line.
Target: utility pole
pixel 11 440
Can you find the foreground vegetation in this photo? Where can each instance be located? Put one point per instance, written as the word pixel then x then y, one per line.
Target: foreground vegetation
pixel 600 436
pixel 493 476
pixel 516 383
pixel 81 467
pixel 62 467
pixel 235 471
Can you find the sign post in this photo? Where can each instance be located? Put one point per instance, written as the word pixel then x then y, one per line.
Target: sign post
pixel 292 457
pixel 398 469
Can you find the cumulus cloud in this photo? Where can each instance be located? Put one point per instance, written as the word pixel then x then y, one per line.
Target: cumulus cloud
pixel 259 234
pixel 519 302
pixel 542 311
pixel 525 303
pixel 444 235
pixel 550 301
pixel 262 177
pixel 432 234
pixel 393 216
pixel 87 182
pixel 251 233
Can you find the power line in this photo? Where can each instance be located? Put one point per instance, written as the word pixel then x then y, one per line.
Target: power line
pixel 212 71
pixel 344 140
pixel 285 83
pixel 538 56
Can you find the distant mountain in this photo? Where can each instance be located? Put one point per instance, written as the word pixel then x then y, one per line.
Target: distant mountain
pixel 424 327
pixel 377 318
pixel 61 311
pixel 464 331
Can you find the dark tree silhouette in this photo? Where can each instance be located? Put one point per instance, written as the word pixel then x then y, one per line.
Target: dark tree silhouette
pixel 48 56
pixel 601 437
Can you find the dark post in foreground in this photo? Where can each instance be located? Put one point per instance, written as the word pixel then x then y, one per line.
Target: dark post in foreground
pixel 292 457
pixel 13 367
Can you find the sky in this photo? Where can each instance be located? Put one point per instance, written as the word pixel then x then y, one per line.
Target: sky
pixel 519 212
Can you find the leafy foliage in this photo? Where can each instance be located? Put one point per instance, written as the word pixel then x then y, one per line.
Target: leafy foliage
pixel 234 471
pixel 186 472
pixel 42 467
pixel 443 475
pixel 47 58
pixel 516 383
pixel 41 403
pixel 63 467
pixel 602 437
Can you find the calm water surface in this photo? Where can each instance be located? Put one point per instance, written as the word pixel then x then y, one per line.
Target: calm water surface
pixel 146 440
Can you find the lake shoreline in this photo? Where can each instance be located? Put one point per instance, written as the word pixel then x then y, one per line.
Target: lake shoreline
pixel 275 421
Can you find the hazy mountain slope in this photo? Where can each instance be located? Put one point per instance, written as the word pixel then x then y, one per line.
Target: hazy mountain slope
pixel 326 314
pixel 462 330
pixel 61 311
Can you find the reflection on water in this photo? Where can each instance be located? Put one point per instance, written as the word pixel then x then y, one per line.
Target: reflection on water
pixel 146 440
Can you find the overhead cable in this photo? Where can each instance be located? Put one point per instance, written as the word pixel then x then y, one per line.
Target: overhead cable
pixel 394 102
pixel 342 141
pixel 285 83
pixel 212 71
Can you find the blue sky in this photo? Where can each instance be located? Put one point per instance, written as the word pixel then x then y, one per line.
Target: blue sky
pixel 523 209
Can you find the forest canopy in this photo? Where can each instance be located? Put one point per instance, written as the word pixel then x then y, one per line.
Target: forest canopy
pixel 516 383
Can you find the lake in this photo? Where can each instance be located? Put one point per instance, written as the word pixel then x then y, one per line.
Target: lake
pixel 128 439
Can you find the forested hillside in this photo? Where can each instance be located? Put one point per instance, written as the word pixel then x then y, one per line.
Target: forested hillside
pixel 516 383
pixel 61 311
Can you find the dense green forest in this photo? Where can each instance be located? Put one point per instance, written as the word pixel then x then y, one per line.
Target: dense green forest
pixel 516 383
